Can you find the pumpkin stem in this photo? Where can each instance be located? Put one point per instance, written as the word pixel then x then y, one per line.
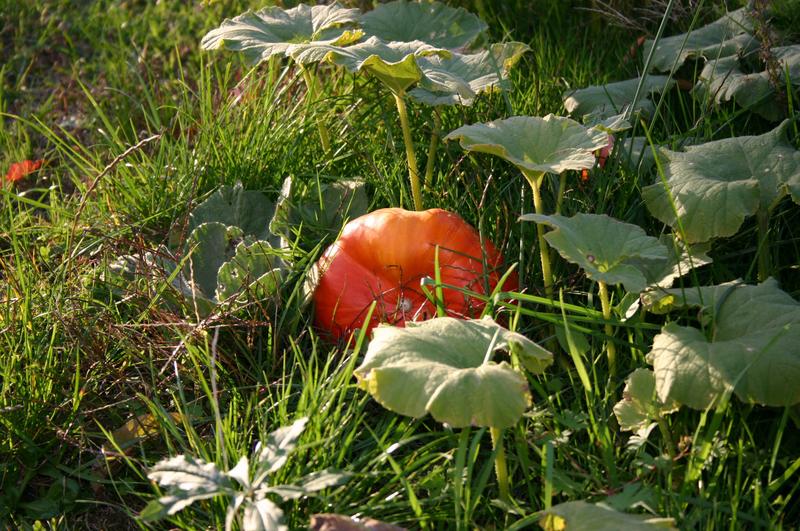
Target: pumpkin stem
pixel 500 466
pixel 413 172
pixel 436 135
pixel 544 251
pixel 611 350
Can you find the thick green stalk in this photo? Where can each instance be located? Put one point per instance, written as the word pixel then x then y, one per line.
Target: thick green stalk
pixel 610 348
pixel 436 135
pixel 413 172
pixel 311 85
pixel 500 466
pixel 764 262
pixel 544 251
pixel 562 186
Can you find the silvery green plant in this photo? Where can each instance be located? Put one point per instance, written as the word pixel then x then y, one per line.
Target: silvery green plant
pixel 247 485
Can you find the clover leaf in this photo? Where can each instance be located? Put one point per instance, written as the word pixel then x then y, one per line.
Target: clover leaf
pixel 431 22
pixel 716 185
pixel 751 346
pixel 275 31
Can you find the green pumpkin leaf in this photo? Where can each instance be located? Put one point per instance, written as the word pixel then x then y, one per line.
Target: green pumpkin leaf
pixel 233 206
pixel 607 249
pixel 440 367
pixel 211 244
pixel 433 23
pixel 256 268
pixel 728 35
pixel 604 101
pixel 640 405
pixel 752 346
pixel 307 213
pixel 459 80
pixel 274 31
pixel 536 145
pixel 393 63
pixel 724 80
pixel 578 515
pixel 716 185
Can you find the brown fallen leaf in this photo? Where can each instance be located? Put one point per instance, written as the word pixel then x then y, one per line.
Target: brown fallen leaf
pixel 340 522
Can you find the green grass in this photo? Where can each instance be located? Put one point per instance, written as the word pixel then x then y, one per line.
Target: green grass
pixel 81 82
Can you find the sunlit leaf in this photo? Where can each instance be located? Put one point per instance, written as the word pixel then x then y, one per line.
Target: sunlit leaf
pixel 441 367
pixel 551 144
pixel 751 345
pixel 188 480
pixel 580 515
pixel 262 515
pixel 272 454
pixel 716 185
pixel 458 80
pixel 607 249
pixel 393 63
pixel 726 36
pixel 431 22
pixel 274 31
pixel 603 101
pixel 640 405
pixel 139 428
pixel 314 482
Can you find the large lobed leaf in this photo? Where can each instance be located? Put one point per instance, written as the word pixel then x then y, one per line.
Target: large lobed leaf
pixel 751 345
pixel 393 63
pixel 578 515
pixel 716 185
pixel 441 367
pixel 608 250
pixel 640 405
pixel 726 36
pixel 458 80
pixel 535 145
pixel 604 101
pixel 275 31
pixel 433 23
pixel 233 206
pixel 724 80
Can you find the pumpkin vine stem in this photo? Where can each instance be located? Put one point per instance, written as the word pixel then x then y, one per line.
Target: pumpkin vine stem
pixel 535 180
pixel 311 86
pixel 500 466
pixel 413 172
pixel 611 350
pixel 436 136
pixel 562 186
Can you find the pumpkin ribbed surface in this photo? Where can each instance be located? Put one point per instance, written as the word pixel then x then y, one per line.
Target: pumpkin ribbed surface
pixel 382 256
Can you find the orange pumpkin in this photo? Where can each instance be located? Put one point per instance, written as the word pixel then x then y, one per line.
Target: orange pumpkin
pixel 382 256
